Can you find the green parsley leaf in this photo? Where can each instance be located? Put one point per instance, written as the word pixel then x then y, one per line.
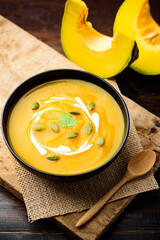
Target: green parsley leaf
pixel 67 120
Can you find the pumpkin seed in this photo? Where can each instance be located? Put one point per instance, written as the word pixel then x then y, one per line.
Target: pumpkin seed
pixel 72 135
pixel 39 127
pixel 74 112
pixel 54 127
pixel 91 106
pixel 35 106
pixel 53 157
pixel 100 141
pixel 89 128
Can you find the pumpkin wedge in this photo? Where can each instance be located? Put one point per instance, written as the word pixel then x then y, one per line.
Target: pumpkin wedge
pixel 91 50
pixel 134 19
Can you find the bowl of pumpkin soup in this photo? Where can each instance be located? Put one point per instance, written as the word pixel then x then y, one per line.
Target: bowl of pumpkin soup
pixel 65 123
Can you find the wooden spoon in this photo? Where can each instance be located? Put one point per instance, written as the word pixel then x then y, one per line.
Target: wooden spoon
pixel 140 164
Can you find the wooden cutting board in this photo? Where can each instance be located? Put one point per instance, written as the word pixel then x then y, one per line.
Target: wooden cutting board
pixel 15 57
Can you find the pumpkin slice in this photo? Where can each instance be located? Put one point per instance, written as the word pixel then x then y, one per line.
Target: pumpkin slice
pixel 134 19
pixel 93 51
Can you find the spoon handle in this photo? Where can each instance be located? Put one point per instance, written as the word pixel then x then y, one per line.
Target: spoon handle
pixel 98 205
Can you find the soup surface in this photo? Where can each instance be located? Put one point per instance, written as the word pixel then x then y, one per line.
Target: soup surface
pixel 66 127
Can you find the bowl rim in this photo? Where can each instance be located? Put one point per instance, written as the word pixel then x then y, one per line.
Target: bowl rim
pixel 69 71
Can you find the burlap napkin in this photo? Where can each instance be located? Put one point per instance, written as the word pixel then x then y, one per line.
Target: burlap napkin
pixel 22 55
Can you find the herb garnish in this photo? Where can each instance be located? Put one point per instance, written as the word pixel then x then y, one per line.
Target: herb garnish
pixel 67 120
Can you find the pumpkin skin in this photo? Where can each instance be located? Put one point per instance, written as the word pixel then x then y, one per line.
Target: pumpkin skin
pixel 134 19
pixel 91 50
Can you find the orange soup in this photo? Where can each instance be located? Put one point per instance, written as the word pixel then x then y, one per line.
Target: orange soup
pixel 66 127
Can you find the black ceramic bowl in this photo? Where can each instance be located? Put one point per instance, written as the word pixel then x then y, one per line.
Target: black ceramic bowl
pixel 56 75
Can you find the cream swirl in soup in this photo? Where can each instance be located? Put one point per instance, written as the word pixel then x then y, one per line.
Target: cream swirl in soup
pixel 65 150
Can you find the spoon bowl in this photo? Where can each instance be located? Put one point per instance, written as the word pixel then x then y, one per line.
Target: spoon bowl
pixel 139 165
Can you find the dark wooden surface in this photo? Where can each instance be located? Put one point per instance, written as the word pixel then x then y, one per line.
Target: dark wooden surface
pixel 42 18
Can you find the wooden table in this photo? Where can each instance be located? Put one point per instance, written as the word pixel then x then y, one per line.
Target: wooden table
pixel 42 18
